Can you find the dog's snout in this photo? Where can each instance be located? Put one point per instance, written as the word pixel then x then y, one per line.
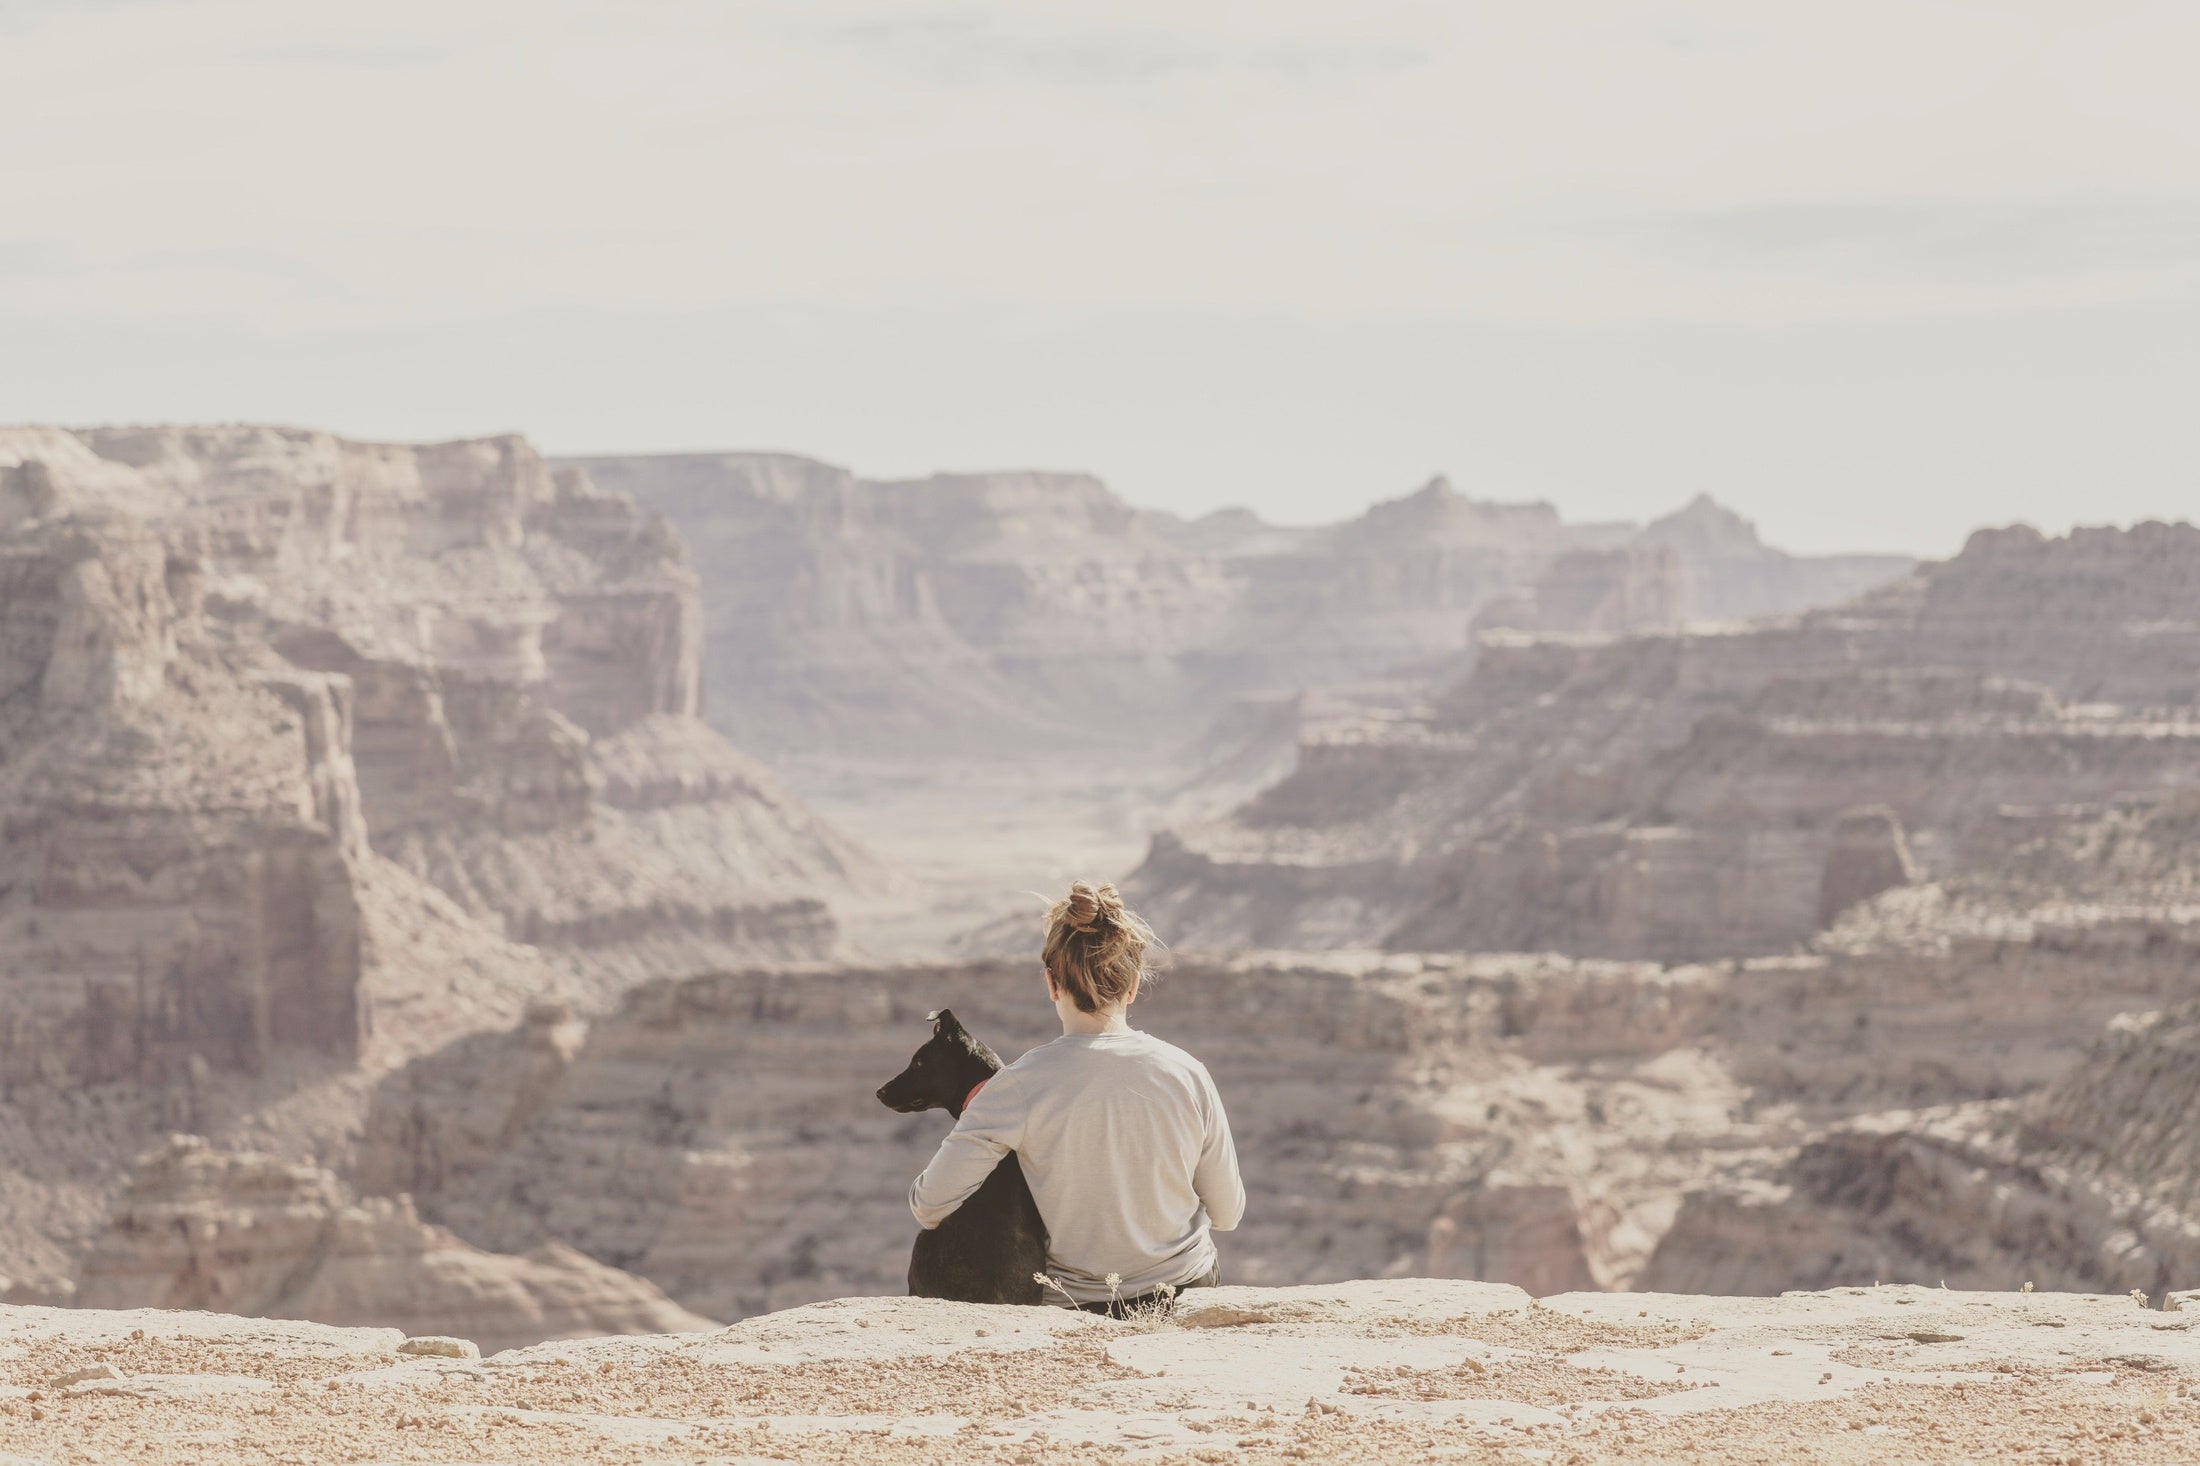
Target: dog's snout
pixel 882 1095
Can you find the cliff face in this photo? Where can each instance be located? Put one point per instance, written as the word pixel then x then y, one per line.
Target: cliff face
pixel 1536 1120
pixel 2056 1189
pixel 2078 1173
pixel 1002 612
pixel 1698 793
pixel 315 755
pixel 446 656
pixel 182 833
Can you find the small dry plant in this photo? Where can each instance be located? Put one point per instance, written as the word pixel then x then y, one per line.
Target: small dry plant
pixel 1146 1316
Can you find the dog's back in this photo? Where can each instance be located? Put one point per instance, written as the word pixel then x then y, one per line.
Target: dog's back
pixel 992 1248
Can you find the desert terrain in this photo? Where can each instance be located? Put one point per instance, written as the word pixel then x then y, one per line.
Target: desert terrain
pixel 1358 1372
pixel 1674 996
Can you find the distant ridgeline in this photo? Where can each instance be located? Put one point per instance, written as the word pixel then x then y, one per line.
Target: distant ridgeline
pixel 998 613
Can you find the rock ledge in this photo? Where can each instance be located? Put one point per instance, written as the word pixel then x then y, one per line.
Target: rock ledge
pixel 1363 1371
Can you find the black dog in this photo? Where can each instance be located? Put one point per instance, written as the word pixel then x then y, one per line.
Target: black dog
pixel 989 1249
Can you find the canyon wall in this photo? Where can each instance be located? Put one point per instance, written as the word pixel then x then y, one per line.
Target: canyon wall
pixel 980 614
pixel 241 1233
pixel 240 663
pixel 2080 1168
pixel 2057 1189
pixel 1539 1120
pixel 316 755
pixel 182 834
pixel 1719 792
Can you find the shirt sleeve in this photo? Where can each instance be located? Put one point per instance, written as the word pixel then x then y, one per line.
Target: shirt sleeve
pixel 1221 1190
pixel 988 1130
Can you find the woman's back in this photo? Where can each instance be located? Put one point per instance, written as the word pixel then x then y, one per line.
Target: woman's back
pixel 1121 1137
pixel 1128 1153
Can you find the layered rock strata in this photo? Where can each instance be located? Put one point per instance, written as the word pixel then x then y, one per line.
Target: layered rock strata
pixel 238 663
pixel 1538 1120
pixel 1712 793
pixel 183 834
pixel 315 755
pixel 2085 1174
pixel 2087 1184
pixel 237 1232
pixel 1013 613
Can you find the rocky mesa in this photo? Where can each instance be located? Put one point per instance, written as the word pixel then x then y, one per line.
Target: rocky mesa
pixel 1708 793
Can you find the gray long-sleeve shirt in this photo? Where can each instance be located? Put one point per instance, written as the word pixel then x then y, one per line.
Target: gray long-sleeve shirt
pixel 1127 1150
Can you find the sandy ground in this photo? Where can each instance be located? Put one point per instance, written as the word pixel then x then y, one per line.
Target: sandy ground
pixel 1356 1372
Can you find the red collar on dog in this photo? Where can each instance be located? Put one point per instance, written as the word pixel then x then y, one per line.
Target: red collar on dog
pixel 974 1092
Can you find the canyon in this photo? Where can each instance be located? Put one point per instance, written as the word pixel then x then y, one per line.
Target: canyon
pixel 982 615
pixel 455 890
pixel 1930 886
pixel 1705 793
pixel 317 754
pixel 1555 1122
pixel 1055 673
pixel 268 693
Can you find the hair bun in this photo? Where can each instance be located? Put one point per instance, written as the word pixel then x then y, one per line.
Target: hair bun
pixel 1096 947
pixel 1091 907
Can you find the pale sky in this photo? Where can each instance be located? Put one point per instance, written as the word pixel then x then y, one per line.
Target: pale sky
pixel 1874 272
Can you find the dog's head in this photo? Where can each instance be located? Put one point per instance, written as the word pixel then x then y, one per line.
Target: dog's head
pixel 941 1073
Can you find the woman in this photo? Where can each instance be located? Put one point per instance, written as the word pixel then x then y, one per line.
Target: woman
pixel 1121 1136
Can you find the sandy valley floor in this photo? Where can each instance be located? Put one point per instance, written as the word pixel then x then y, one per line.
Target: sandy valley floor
pixel 1379 1371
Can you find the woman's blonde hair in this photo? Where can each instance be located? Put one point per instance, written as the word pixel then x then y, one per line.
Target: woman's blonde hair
pixel 1096 947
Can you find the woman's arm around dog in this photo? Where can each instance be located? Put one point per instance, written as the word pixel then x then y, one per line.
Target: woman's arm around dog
pixel 988 1130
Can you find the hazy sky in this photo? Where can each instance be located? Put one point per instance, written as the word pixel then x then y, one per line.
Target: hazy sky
pixel 1872 271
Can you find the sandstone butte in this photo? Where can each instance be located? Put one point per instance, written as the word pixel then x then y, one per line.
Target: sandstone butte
pixel 1403 1370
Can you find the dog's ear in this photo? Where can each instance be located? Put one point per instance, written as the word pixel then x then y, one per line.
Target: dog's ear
pixel 945 1023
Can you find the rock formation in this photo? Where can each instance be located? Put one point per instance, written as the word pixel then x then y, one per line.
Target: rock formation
pixel 2084 1174
pixel 315 755
pixel 236 1232
pixel 1698 793
pixel 183 834
pixel 2092 1183
pixel 1538 1120
pixel 983 614
pixel 1624 588
pixel 1727 573
pixel 242 662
